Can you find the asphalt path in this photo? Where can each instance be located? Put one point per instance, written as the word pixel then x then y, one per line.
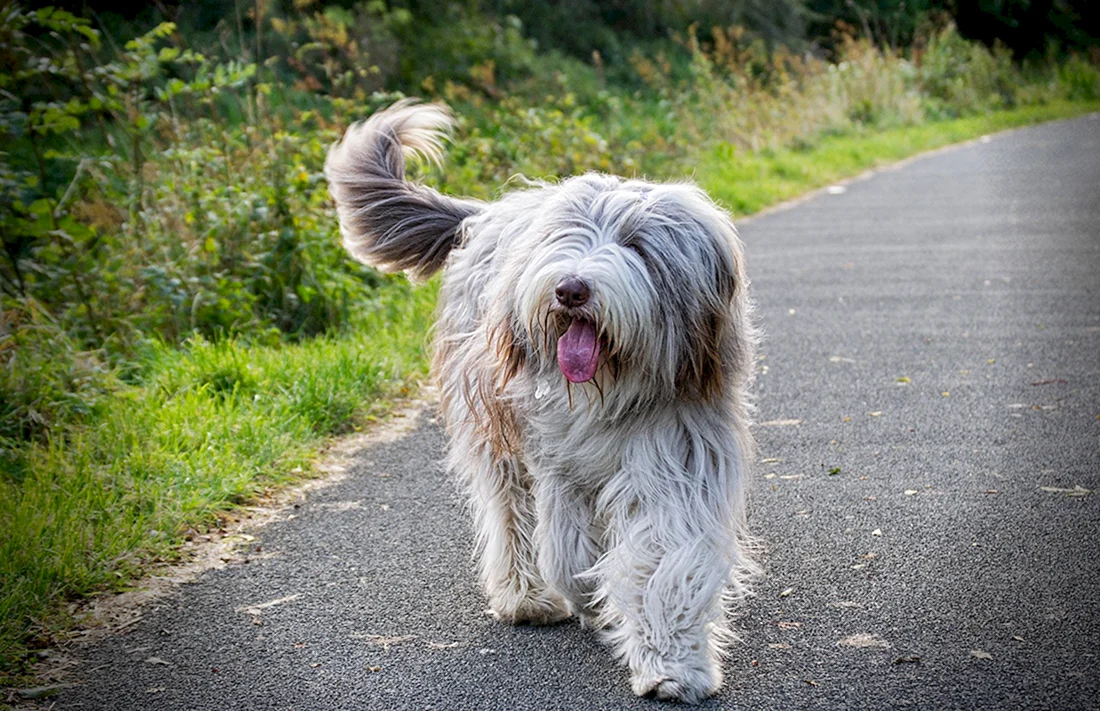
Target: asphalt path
pixel 929 430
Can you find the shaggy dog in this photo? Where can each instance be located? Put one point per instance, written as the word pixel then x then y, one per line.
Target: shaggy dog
pixel 592 353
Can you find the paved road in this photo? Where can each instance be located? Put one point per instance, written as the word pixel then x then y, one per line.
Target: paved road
pixel 935 333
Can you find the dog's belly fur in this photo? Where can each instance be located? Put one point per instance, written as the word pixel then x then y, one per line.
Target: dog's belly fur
pixel 609 485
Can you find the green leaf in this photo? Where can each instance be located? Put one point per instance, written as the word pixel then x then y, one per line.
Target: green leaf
pixel 41 207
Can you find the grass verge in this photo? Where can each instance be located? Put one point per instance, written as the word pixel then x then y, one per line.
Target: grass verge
pixel 214 424
pixel 749 182
pixel 210 426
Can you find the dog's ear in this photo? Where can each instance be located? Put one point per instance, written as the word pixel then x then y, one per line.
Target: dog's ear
pixel 703 367
pixel 711 352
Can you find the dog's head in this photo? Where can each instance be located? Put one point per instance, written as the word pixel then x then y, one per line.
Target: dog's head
pixel 614 281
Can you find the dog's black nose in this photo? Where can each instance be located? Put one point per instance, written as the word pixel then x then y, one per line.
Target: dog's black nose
pixel 571 292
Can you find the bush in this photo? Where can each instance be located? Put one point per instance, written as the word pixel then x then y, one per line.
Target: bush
pixel 556 138
pixel 961 77
pixel 142 209
pixel 481 52
pixel 1079 79
pixel 742 93
pixel 335 51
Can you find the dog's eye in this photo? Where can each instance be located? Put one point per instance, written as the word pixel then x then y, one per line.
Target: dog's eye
pixel 644 255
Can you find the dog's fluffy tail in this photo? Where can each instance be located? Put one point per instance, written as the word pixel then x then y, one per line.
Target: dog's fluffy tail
pixel 386 221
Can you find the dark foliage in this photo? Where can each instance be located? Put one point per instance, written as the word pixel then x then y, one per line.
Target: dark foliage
pixel 579 27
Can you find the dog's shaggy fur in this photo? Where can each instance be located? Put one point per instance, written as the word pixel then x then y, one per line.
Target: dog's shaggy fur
pixel 592 351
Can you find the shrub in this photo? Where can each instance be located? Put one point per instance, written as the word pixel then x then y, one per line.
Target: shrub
pixel 1080 80
pixel 138 207
pixel 336 51
pixel 745 94
pixel 961 77
pixel 45 378
pixel 482 52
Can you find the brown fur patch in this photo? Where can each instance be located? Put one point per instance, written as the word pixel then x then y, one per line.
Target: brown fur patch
pixel 702 373
pixel 509 353
pixel 483 390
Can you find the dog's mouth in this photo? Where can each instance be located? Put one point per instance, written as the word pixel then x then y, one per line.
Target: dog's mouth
pixel 579 351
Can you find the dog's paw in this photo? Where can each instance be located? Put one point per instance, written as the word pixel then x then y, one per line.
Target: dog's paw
pixel 540 610
pixel 676 681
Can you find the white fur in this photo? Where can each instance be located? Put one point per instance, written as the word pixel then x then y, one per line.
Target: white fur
pixel 619 500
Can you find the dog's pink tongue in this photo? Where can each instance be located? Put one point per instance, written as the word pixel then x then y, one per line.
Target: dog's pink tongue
pixel 579 351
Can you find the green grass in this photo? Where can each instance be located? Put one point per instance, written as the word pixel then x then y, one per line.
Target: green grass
pixel 210 426
pixel 748 182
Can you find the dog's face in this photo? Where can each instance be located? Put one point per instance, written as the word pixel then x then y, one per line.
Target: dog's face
pixel 613 278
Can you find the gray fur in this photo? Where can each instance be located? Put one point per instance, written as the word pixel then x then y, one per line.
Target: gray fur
pixel 385 220
pixel 619 500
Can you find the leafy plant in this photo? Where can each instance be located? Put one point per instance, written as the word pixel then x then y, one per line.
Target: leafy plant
pixel 133 210
pixel 1080 79
pixel 961 77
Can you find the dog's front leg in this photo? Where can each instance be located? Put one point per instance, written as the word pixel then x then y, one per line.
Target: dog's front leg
pixel 665 612
pixel 567 549
pixel 675 518
pixel 504 515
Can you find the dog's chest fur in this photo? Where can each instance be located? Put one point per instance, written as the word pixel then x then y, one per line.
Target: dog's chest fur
pixel 581 441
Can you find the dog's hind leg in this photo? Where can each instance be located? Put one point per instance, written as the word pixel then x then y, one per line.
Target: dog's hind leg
pixel 504 516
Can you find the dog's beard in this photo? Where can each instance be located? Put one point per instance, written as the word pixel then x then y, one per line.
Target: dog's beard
pixel 586 345
pixel 578 344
